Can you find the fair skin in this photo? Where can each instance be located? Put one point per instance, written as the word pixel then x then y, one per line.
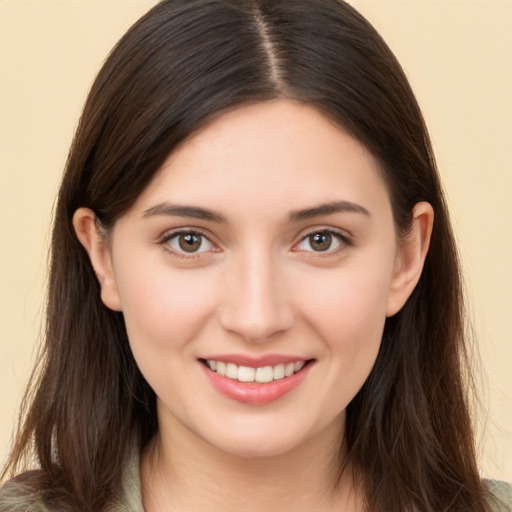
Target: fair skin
pixel 267 238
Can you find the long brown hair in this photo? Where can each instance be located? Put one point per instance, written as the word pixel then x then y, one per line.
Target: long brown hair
pixel 408 430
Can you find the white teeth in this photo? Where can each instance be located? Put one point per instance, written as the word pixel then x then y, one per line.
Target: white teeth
pixel 279 372
pixel 221 368
pixel 248 374
pixel 290 369
pixel 265 374
pixel 232 371
pixel 299 365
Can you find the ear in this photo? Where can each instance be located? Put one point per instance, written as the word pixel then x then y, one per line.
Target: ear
pixel 411 255
pixel 95 242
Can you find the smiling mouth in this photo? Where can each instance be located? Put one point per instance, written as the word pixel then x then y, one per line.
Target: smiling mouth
pixel 259 375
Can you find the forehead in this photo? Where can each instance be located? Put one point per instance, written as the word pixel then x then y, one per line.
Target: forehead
pixel 265 157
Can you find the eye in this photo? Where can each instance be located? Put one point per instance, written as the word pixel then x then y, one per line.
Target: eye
pixel 189 242
pixel 321 241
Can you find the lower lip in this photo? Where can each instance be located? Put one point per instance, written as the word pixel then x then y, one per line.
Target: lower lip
pixel 254 393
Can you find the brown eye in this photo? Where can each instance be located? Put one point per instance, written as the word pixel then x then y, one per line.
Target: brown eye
pixel 189 242
pixel 321 241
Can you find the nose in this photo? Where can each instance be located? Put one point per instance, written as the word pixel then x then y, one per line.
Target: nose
pixel 256 303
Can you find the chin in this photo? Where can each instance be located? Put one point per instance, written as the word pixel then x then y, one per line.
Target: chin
pixel 257 448
pixel 260 439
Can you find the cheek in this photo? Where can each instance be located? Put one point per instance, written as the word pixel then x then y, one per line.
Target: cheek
pixel 352 325
pixel 164 307
pixel 164 311
pixel 349 308
pixel 349 314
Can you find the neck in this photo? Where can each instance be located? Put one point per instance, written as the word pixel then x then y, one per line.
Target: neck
pixel 182 472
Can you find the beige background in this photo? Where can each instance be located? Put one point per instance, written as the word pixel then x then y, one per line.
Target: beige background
pixel 457 54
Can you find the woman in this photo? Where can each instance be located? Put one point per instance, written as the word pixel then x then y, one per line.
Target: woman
pixel 250 301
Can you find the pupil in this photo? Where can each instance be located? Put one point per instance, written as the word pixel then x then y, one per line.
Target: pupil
pixel 320 241
pixel 190 242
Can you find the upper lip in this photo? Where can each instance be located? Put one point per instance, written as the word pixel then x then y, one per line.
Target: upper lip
pixel 255 362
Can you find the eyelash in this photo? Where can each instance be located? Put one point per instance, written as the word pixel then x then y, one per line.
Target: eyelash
pixel 166 239
pixel 343 240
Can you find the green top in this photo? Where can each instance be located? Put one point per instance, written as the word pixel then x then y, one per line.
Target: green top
pixel 501 495
pixel 16 496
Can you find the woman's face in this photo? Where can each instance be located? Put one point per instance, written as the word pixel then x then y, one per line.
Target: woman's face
pixel 264 248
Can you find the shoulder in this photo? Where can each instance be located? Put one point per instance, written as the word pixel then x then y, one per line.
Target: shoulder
pixel 21 494
pixel 24 493
pixel 500 495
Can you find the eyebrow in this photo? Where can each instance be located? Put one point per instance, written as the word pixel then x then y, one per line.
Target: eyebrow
pixel 176 210
pixel 196 212
pixel 328 209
